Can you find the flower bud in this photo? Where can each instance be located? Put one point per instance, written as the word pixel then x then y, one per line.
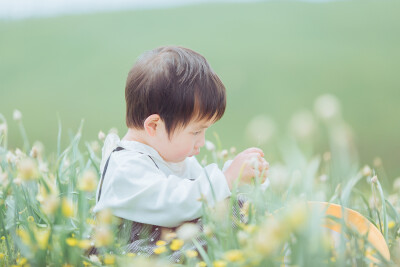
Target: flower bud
pixel 17 115
pixel 366 171
pixel 210 146
pixel 101 136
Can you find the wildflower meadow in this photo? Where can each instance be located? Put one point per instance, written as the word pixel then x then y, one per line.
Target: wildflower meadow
pixel 320 206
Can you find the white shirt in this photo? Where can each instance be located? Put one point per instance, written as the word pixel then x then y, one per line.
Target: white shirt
pixel 135 189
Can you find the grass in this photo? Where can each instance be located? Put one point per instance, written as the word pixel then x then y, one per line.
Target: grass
pixel 46 218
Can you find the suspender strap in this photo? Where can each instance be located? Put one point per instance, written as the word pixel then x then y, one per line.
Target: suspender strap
pixel 106 165
pixel 105 169
pixel 152 160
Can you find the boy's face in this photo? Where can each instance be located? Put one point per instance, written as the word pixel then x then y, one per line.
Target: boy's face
pixel 184 142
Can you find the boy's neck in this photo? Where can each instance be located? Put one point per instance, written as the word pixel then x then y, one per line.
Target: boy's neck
pixel 135 135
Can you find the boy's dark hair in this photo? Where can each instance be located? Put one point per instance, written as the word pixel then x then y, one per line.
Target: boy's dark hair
pixel 176 83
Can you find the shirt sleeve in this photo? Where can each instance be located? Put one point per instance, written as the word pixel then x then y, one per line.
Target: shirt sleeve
pixel 142 193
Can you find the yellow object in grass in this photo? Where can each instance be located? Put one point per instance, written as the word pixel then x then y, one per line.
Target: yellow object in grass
pixel 356 221
pixel 176 244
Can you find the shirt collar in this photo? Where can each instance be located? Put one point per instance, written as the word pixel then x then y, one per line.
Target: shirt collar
pixel 140 147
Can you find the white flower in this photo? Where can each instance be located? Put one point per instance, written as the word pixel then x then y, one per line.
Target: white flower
pixel 39 147
pixel 11 158
pixel 101 136
pixel 17 115
pixel 210 146
pixel 374 179
pixel 19 153
pixel 95 259
pixel 323 178
pixel 34 152
pixel 187 231
pixel 260 130
pixel 224 153
pixel 302 124
pixel 43 167
pixel 366 171
pixel 327 106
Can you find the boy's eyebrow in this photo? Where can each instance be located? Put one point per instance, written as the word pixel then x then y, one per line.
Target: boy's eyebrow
pixel 202 127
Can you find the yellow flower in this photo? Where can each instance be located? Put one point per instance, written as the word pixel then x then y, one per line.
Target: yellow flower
pixel 297 216
pixel 219 263
pixel 251 228
pixel 159 250
pixel 169 236
pixel 2 256
pixel 21 261
pixel 192 253
pixel 67 208
pixel 103 236
pixel 27 169
pixel 161 243
pixel 85 263
pixel 50 204
pixel 3 237
pixel 104 216
pixel 24 235
pixel 391 224
pixel 234 255
pixel 201 264
pixel 31 219
pixel 88 181
pixel 176 244
pixel 109 259
pixel 130 254
pixel 71 241
pixel 84 244
pixel 42 237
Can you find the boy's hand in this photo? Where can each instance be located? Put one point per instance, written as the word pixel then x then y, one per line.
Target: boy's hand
pixel 246 165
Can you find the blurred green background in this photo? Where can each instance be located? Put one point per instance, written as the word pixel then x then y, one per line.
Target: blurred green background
pixel 274 57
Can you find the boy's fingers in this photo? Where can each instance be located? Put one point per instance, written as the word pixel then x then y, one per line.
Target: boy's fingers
pixel 254 150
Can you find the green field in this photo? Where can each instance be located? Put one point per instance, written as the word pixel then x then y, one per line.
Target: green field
pixel 275 58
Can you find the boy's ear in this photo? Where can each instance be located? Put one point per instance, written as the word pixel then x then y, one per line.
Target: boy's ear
pixel 151 123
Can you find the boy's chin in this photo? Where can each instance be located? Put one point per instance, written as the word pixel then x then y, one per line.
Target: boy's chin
pixel 177 160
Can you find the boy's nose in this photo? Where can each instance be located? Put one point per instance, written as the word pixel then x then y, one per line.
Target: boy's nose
pixel 201 142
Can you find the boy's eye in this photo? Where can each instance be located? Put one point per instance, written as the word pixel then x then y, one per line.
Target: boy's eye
pixel 196 133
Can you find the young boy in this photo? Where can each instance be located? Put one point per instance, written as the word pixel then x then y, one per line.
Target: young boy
pixel 152 178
